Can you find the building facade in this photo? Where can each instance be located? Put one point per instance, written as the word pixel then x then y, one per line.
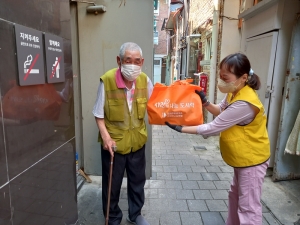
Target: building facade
pixel 270 31
pixel 161 42
pixel 37 135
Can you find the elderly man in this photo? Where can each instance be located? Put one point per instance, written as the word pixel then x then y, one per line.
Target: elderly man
pixel 120 110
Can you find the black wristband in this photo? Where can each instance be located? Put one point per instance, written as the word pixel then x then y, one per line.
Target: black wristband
pixel 207 103
pixel 178 128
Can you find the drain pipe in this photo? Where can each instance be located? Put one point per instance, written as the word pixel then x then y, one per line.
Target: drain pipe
pixel 213 61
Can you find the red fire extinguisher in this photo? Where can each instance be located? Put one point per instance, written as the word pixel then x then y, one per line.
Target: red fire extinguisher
pixel 203 82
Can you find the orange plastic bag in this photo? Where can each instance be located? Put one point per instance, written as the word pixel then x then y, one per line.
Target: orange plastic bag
pixel 176 104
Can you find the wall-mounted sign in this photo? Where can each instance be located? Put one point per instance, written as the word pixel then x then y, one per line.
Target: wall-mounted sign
pixel 54 58
pixel 30 55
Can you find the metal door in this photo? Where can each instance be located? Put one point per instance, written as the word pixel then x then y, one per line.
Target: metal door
pixel 287 166
pixel 261 51
pixel 157 70
pixel 191 57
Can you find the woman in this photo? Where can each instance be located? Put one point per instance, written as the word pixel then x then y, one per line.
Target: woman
pixel 244 143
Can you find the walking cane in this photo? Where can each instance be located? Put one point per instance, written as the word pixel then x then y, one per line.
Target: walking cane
pixel 109 185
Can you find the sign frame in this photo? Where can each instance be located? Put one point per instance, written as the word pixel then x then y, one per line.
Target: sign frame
pixel 30 55
pixel 54 54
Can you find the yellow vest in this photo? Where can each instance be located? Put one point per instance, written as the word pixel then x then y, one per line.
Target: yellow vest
pixel 243 146
pixel 127 129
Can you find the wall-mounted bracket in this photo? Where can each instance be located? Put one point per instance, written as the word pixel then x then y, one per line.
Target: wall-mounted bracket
pixel 96 9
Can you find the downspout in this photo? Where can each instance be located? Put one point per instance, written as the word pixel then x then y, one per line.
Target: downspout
pixel 176 54
pixel 186 34
pixel 77 87
pixel 213 62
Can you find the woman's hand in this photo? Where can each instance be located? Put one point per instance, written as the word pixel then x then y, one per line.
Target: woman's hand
pixel 202 96
pixel 174 127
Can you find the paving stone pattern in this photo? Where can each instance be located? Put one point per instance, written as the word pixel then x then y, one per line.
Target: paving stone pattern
pixel 189 185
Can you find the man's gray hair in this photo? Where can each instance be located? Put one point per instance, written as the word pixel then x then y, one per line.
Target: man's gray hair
pixel 129 46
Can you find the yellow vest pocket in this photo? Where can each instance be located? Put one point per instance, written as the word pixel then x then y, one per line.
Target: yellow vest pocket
pixel 141 107
pixel 116 109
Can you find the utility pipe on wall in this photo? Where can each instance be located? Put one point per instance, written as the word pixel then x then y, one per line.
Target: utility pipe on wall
pixel 213 61
pixel 176 54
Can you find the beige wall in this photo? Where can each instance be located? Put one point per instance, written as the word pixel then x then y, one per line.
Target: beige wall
pixel 231 36
pixel 100 37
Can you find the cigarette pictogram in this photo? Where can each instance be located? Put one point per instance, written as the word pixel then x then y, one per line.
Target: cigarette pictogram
pixel 30 63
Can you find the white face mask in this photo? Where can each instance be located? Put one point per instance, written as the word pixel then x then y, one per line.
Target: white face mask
pixel 227 87
pixel 130 71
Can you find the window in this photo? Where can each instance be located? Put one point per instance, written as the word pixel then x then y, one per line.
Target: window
pixel 155 37
pixel 156 7
pixel 192 59
pixel 156 62
pixel 208 45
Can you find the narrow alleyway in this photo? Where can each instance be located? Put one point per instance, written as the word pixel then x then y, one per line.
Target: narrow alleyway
pixel 189 186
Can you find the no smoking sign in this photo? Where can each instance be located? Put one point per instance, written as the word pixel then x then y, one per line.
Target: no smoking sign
pixel 30 51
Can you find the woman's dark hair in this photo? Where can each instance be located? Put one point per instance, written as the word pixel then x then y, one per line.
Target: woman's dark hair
pixel 239 64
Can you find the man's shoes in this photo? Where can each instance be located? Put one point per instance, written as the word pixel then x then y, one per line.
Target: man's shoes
pixel 127 218
pixel 140 220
